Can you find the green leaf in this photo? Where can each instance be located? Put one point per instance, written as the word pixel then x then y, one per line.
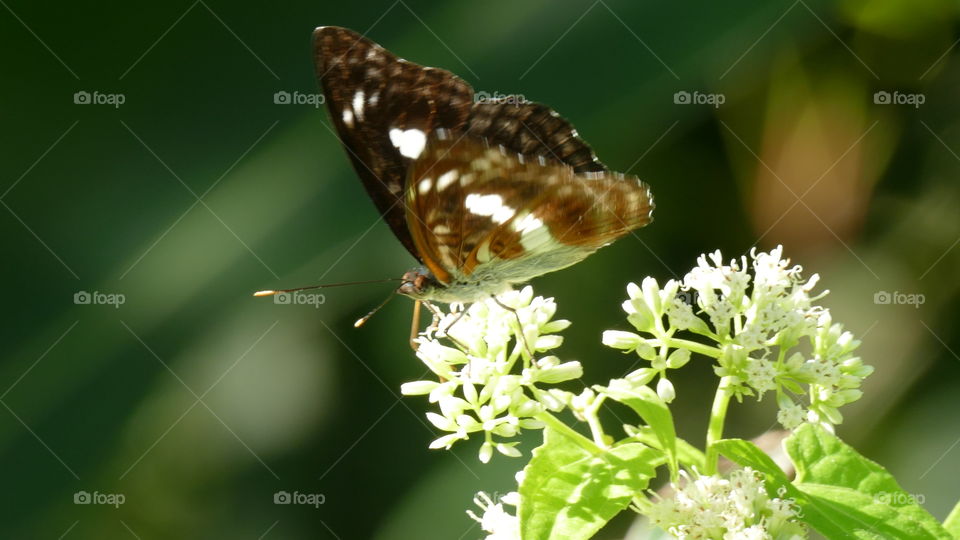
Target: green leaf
pixel 646 403
pixel 952 523
pixel 749 455
pixel 570 493
pixel 688 454
pixel 847 495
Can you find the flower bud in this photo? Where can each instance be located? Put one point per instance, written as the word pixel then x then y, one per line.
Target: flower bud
pixel 446 441
pixel 618 339
pixel 508 450
pixel 486 452
pixel 678 358
pixel 418 388
pixel 545 343
pixel 665 390
pixel 641 376
pixel 442 422
pixel 560 373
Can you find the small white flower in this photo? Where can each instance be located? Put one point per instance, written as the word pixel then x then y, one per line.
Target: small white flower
pixel 735 507
pixel 487 358
pixel 755 311
pixel 495 520
pixel 792 415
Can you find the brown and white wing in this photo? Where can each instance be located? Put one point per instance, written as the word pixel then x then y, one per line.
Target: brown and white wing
pixel 382 108
pixel 482 212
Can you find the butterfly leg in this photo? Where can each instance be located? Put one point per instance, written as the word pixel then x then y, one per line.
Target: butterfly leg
pixel 520 335
pixel 437 316
pixel 415 326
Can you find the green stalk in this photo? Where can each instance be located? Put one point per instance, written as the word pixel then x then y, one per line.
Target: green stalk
pixel 718 414
pixel 593 420
pixel 555 424
pixel 692 346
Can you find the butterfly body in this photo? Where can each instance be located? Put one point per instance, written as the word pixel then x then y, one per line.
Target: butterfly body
pixel 484 195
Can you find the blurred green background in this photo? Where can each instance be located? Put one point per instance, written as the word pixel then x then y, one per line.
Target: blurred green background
pixel 198 403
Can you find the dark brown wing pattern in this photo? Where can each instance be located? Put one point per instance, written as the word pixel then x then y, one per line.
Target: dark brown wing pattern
pixel 477 208
pixel 371 94
pixel 384 107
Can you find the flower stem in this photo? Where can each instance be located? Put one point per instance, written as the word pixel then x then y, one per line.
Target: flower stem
pixel 692 346
pixel 718 415
pixel 593 420
pixel 555 424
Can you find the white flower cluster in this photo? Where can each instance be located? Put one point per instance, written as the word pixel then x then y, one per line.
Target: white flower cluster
pixel 733 508
pixel 489 365
pixel 754 319
pixel 501 525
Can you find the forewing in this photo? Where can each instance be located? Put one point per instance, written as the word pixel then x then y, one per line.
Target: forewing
pixel 479 210
pixel 383 107
pixel 532 129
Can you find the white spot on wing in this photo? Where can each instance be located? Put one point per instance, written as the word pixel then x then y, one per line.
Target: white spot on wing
pixel 409 142
pixel 446 179
pixel 348 117
pixel 489 205
pixel 358 104
pixel 424 186
pixel 534 236
pixel 527 224
pixel 483 254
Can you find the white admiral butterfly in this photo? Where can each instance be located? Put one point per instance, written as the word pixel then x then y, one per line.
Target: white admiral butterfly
pixel 485 194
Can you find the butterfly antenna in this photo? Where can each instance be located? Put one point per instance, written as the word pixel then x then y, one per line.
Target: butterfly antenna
pixel 271 292
pixel 363 320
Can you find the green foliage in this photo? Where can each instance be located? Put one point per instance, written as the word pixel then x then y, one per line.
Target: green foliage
pixel 648 405
pixel 570 493
pixel 852 492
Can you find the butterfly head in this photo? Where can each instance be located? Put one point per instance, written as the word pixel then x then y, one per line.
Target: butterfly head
pixel 419 284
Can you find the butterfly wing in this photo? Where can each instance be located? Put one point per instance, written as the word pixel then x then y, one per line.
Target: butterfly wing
pixel 383 107
pixel 482 213
pixel 532 129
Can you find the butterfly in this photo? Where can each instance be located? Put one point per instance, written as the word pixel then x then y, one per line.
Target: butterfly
pixel 485 194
